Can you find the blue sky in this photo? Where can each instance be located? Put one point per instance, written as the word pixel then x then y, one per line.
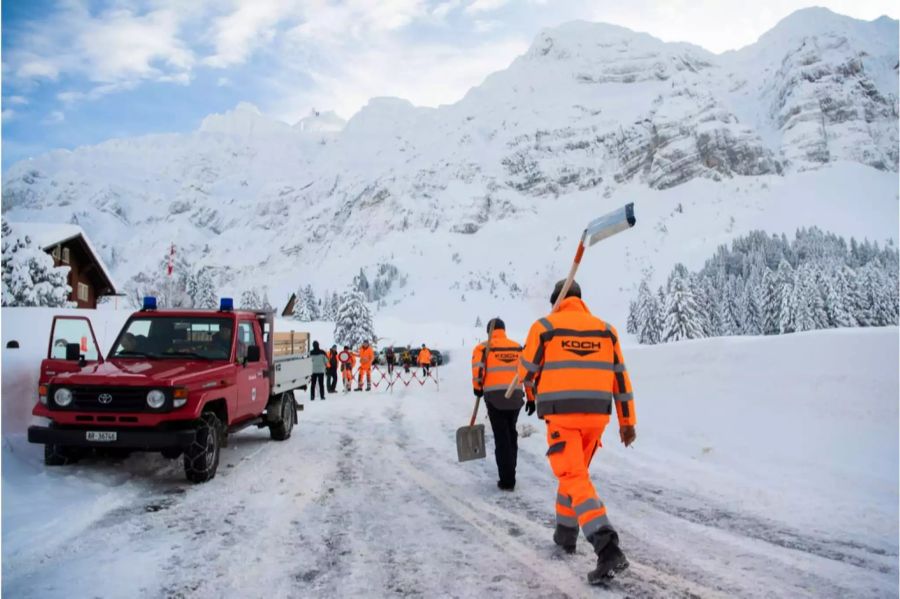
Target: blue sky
pixel 78 72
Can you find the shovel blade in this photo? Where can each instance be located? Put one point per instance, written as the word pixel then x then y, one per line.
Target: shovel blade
pixel 610 224
pixel 470 443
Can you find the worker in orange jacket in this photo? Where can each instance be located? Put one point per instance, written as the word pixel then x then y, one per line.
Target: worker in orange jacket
pixel 348 360
pixel 573 371
pixel 493 369
pixel 366 358
pixel 424 360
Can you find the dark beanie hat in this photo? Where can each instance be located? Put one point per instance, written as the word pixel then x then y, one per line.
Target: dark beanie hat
pixel 496 323
pixel 574 291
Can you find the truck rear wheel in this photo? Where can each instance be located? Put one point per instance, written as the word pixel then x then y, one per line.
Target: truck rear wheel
pixel 281 430
pixel 201 458
pixel 60 455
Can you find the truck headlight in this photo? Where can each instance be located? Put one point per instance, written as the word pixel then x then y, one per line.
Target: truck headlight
pixel 156 399
pixel 62 397
pixel 179 397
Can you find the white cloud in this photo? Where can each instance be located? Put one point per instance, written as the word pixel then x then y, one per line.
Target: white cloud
pixel 479 6
pixel 16 100
pixel 485 26
pixel 112 46
pixel 223 82
pixel 8 114
pixel 719 25
pixel 443 9
pixel 429 76
pixel 249 26
pixel 55 117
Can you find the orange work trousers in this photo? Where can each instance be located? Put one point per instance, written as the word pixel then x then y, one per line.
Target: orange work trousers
pixel 573 440
pixel 368 372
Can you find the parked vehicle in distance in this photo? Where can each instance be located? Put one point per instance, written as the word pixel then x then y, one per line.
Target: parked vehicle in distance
pixel 175 381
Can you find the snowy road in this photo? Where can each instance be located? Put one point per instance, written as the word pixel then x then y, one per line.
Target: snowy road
pixel 367 499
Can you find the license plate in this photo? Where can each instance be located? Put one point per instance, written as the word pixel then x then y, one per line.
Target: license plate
pixel 102 436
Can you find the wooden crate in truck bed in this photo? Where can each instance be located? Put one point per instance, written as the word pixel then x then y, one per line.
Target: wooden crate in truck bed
pixel 293 366
pixel 290 344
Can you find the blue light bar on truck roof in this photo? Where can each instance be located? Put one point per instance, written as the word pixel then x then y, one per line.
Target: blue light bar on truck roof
pixel 226 304
pixel 149 302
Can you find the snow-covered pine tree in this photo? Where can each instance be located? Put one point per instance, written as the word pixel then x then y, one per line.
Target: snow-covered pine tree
pixel 306 309
pixel 353 324
pixel 836 293
pixel 682 316
pixel 751 311
pixel 648 323
pixel 265 304
pixel 784 281
pixel 202 289
pixel 631 321
pixel 803 299
pixel 361 284
pixel 876 299
pixel 478 323
pixel 250 300
pixel 727 308
pixel 706 295
pixel 29 277
pixel 771 304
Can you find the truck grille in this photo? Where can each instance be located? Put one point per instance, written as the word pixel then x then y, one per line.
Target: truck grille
pixel 115 399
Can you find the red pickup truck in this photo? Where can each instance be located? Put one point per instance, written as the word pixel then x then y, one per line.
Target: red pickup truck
pixel 174 381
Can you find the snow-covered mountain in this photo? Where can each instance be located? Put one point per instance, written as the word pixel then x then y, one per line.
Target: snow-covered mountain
pixel 798 129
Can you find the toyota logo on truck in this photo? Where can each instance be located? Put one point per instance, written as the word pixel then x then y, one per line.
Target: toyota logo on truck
pixel 104 398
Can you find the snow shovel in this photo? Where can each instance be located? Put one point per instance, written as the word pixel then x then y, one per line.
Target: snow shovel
pixel 470 439
pixel 597 230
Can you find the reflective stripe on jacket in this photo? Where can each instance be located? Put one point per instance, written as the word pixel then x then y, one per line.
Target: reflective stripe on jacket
pixel 493 371
pixel 573 364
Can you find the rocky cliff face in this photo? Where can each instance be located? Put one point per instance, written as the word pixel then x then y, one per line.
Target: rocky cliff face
pixel 589 107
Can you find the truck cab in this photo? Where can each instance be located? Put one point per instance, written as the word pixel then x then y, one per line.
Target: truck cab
pixel 174 381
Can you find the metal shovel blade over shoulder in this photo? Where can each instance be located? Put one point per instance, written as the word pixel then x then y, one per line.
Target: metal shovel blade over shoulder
pixel 609 224
pixel 470 443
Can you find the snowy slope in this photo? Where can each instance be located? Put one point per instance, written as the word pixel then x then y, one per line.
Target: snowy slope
pixel 590 117
pixel 764 467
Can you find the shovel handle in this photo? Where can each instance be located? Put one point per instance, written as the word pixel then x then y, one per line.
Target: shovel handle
pixel 475 412
pixel 562 294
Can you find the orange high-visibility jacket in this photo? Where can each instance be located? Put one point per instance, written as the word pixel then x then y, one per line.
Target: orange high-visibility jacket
pixel 366 357
pixel 494 370
pixel 424 356
pixel 572 364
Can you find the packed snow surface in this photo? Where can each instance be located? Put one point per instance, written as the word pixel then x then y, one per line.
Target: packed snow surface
pixel 764 467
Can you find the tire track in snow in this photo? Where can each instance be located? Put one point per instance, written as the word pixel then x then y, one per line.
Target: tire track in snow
pixel 642 581
pixel 701 511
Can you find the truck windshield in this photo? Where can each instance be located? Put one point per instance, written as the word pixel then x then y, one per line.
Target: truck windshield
pixel 175 337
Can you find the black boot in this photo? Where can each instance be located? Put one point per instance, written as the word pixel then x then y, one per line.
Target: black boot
pixel 565 537
pixel 506 485
pixel 610 558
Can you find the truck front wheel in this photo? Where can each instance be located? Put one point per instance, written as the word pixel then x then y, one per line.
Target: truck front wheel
pixel 201 458
pixel 281 430
pixel 60 455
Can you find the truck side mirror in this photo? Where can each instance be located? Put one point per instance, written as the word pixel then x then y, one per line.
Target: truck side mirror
pixel 73 352
pixel 252 354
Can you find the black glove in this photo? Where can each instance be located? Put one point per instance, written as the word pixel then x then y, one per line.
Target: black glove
pixel 478 393
pixel 530 407
pixel 628 435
